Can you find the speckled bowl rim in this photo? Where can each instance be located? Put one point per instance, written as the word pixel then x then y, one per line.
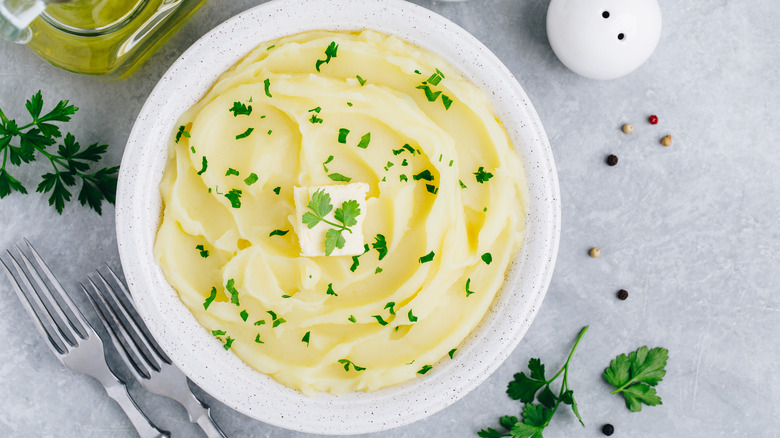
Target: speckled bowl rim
pixel 225 376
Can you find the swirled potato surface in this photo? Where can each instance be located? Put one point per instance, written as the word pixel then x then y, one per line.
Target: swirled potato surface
pixel 446 198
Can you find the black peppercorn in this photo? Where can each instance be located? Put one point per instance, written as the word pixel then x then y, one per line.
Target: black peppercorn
pixel 612 160
pixel 608 429
pixel 622 294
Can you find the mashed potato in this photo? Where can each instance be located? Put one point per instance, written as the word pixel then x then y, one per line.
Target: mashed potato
pixel 445 210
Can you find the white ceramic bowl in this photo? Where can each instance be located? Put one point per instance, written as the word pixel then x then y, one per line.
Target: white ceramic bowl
pixel 224 375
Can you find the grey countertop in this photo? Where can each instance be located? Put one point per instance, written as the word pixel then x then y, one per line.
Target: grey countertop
pixel 692 231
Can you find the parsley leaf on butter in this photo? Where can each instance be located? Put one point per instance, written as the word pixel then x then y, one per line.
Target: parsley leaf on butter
pixel 347 214
pixel 636 375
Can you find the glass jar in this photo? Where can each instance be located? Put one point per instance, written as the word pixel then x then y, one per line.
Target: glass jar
pixel 97 37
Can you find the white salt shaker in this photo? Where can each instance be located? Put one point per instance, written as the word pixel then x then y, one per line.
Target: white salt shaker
pixel 603 39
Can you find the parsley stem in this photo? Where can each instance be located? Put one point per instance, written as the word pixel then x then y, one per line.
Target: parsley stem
pixel 341 227
pixel 573 349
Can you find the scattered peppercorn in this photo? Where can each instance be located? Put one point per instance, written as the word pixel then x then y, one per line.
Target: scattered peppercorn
pixel 667 141
pixel 653 120
pixel 628 128
pixel 608 429
pixel 622 294
pixel 594 252
pixel 612 160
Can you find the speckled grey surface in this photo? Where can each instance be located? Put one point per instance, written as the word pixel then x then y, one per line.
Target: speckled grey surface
pixel 691 231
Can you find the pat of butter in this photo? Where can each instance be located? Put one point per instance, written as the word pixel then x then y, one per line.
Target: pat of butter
pixel 313 239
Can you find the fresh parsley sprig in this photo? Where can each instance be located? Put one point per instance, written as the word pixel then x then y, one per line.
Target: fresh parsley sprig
pixel 347 215
pixel 525 388
pixel 70 163
pixel 636 375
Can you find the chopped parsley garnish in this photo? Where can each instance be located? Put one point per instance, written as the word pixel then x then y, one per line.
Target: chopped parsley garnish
pixel 257 339
pixel 349 103
pixel 356 260
pixel 269 132
pixel 412 318
pixel 228 342
pixel 391 306
pixel 417 72
pixel 273 314
pixel 306 338
pixel 409 148
pixel 427 257
pixel 278 321
pixel 424 369
pixel 429 94
pixel 260 322
pixel 320 206
pixel 330 158
pixel 182 132
pixel 446 101
pixel 231 287
pixel 468 284
pixel 403 177
pixel 330 52
pixel 364 140
pixel 380 245
pixel 463 186
pixel 482 176
pixel 487 258
pixel 251 179
pixel 315 119
pixel 205 166
pixel 271 47
pixel 239 109
pixel 339 177
pixel 432 188
pixel 389 165
pixel 451 161
pixel 331 291
pixel 245 134
pixel 343 132
pixel 192 148
pixel 436 77
pixel 452 353
pixel 377 270
pixel 203 251
pixel 352 319
pixel 277 190
pixel 361 80
pixel 244 315
pixel 425 174
pixel 234 196
pixel 379 319
pixel 210 298
pixel 397 151
pixel 315 110
pixel 231 171
pixel 267 84
pixel 278 233
pixel 286 296
pixel 347 363
pixel 218 332
pixel 440 156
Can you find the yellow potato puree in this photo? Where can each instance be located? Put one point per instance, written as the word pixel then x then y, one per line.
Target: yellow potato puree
pixel 446 198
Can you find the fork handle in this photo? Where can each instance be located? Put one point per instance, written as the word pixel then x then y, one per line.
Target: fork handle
pixel 201 415
pixel 118 391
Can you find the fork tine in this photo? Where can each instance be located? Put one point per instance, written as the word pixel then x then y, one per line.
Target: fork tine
pixel 120 348
pixel 83 328
pixel 132 315
pixel 57 346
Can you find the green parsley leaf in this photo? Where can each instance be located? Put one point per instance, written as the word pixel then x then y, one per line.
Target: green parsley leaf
pixel 482 176
pixel 240 109
pixel 231 171
pixel 348 213
pixel 267 84
pixel 427 257
pixel 333 239
pixel 379 319
pixel 245 134
pixel 339 177
pixel 234 196
pixel 306 338
pixel 361 80
pixel 231 287
pixel 635 376
pixel 364 140
pixel 331 291
pixel 468 283
pixel 347 363
pixel 451 353
pixel 203 252
pixel 278 233
pixel 491 433
pixel 330 52
pixel 487 258
pixel 425 174
pixel 320 205
pixel 343 132
pixel 412 318
pixel 210 298
pixel 277 190
pixel 352 319
pixel 424 369
pixel 244 315
pixel 251 179
pixel 205 166
pixel 330 158
pixel 380 245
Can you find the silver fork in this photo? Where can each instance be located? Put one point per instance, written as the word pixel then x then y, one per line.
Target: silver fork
pixel 71 339
pixel 149 364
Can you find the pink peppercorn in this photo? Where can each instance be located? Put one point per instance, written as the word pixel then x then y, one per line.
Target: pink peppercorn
pixel 653 120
